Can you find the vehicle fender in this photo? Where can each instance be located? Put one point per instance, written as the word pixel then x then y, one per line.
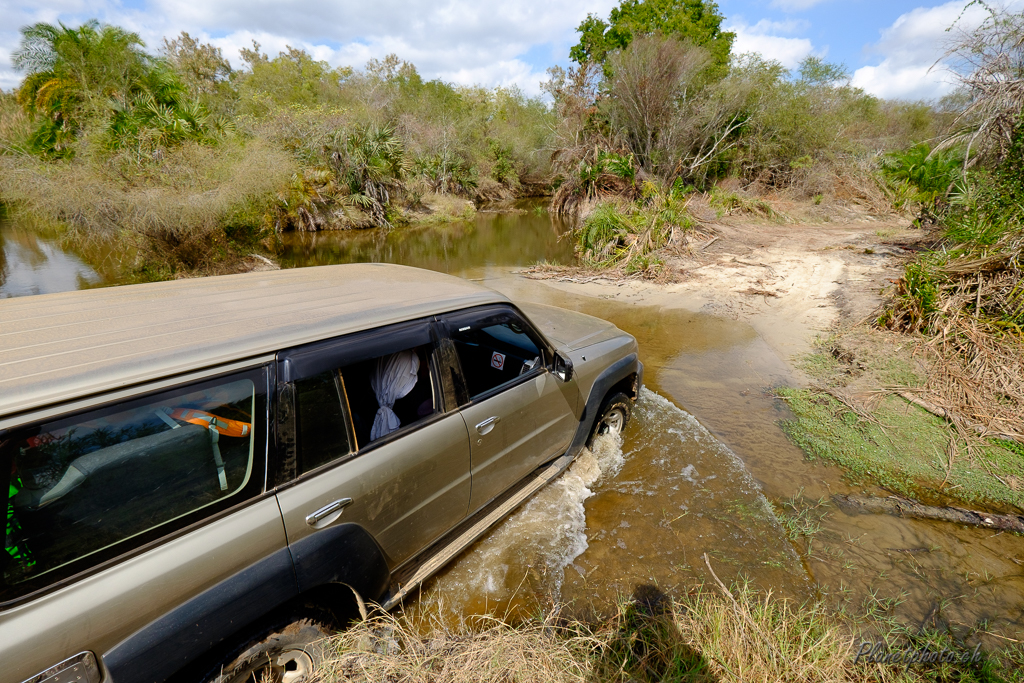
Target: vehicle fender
pixel 163 647
pixel 345 553
pixel 612 375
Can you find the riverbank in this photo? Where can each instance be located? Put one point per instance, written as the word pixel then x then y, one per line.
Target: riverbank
pixel 713 633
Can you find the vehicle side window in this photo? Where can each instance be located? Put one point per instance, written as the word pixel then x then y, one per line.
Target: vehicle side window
pixel 85 488
pixel 390 392
pixel 494 349
pixel 320 421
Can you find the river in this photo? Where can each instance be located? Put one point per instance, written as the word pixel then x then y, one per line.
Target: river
pixel 702 468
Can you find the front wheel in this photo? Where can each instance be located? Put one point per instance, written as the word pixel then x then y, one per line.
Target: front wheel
pixel 284 653
pixel 613 416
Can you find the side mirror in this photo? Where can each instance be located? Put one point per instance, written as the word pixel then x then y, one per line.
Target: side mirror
pixel 562 366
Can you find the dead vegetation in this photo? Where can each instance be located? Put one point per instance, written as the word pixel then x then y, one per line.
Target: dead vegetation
pixel 711 634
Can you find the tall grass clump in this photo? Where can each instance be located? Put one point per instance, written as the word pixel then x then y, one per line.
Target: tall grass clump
pixel 627 236
pixel 485 649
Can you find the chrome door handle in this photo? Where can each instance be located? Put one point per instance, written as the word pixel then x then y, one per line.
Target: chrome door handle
pixel 487 425
pixel 327 513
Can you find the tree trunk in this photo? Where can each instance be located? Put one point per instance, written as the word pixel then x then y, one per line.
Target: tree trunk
pixel 902 507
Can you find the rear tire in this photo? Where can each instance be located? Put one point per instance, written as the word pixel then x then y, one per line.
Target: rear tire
pixel 289 651
pixel 613 416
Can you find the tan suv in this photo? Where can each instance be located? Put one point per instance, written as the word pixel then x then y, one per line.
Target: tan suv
pixel 205 476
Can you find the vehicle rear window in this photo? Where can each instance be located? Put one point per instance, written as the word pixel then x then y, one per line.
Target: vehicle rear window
pixel 320 421
pixel 389 393
pixel 80 489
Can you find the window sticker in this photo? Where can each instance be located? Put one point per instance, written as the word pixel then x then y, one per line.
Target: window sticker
pixel 497 360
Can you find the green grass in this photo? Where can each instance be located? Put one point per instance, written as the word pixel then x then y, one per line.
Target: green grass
pixel 904 450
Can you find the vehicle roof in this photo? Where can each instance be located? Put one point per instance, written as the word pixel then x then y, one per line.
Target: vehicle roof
pixel 57 347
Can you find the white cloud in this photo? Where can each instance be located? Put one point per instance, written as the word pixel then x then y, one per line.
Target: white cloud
pixel 910 49
pixel 451 39
pixel 761 38
pixel 795 5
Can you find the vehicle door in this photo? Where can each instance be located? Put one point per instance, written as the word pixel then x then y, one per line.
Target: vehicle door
pixel 515 410
pixel 368 438
pixel 118 515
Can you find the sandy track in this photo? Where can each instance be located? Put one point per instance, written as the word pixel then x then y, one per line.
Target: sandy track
pixel 789 281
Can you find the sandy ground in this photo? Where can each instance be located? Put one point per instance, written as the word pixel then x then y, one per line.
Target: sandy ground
pixel 790 281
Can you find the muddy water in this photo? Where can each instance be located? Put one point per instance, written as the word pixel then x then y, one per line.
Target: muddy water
pixel 30 264
pixel 492 239
pixel 695 472
pixel 642 508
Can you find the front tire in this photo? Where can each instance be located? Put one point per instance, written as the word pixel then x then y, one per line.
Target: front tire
pixel 613 416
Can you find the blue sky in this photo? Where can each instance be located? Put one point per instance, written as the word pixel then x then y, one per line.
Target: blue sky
pixel 889 47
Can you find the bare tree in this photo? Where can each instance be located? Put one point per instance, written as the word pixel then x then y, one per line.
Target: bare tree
pixel 989 64
pixel 671 118
pixel 651 80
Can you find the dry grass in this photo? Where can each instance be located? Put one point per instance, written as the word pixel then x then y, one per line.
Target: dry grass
pixel 177 210
pixel 445 208
pixel 973 308
pixel 979 377
pixel 389 648
pixel 15 124
pixel 713 634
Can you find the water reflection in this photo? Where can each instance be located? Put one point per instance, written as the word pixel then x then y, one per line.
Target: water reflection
pixel 490 239
pixel 30 264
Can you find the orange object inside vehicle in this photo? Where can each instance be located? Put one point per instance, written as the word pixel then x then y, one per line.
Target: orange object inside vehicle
pixel 224 426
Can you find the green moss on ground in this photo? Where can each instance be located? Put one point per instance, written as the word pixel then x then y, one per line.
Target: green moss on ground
pixel 904 449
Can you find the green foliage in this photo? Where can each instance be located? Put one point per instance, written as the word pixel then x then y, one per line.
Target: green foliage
pixel 603 233
pixel 446 173
pixel 915 300
pixel 504 168
pixel 291 78
pixel 99 76
pixel 698 21
pixel 790 124
pixel 988 205
pixel 159 115
pixel 629 236
pixel 202 67
pixel 369 165
pixel 931 173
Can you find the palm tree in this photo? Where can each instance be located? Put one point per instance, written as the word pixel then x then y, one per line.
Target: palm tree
pixel 99 73
pixel 370 164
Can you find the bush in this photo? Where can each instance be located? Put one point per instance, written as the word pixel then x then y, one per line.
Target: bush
pixel 628 236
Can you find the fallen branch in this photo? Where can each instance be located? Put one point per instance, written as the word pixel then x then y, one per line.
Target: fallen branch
pixel 920 402
pixel 902 507
pixel 952 417
pixel 708 244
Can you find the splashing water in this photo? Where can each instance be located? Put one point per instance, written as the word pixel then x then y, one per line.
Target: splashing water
pixel 618 518
pixel 524 558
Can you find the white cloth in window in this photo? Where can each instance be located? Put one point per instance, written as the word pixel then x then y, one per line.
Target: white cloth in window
pixel 394 378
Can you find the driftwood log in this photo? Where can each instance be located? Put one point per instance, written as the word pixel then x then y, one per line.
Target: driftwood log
pixel 902 507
